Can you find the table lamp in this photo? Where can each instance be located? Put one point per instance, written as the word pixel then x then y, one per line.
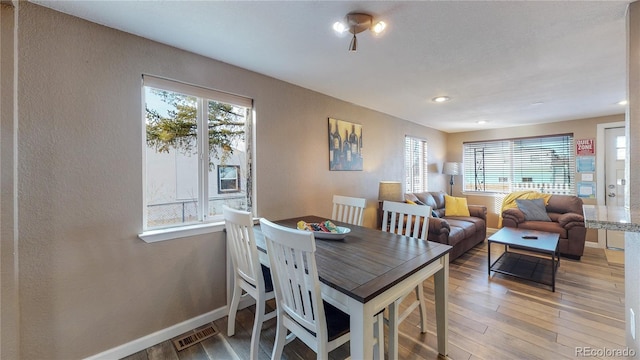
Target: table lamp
pixel 452 169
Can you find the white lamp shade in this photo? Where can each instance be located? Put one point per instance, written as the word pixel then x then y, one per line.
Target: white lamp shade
pixel 390 191
pixel 451 168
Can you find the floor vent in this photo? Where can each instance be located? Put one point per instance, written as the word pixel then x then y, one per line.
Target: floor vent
pixel 185 341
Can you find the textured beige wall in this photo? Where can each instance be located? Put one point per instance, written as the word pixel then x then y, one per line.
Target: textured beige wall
pixel 292 160
pixel 581 129
pixel 86 282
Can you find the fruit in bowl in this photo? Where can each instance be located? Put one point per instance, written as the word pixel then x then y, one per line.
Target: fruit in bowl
pixel 326 226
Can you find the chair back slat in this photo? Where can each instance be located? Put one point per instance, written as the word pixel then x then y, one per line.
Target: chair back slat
pixel 242 245
pixel 348 209
pixel 406 219
pixel 295 275
pixel 409 220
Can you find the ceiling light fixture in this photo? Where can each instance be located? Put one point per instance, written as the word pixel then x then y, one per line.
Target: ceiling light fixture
pixel 623 102
pixel 356 23
pixel 441 99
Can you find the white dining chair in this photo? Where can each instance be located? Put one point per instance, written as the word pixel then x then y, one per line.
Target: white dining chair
pixel 409 220
pixel 300 308
pixel 249 276
pixel 348 209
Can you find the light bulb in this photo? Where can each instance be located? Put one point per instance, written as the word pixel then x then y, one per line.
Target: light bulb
pixel 379 27
pixel 339 27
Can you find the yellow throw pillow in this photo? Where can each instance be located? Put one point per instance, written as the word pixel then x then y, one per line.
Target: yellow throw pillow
pixel 455 206
pixel 410 202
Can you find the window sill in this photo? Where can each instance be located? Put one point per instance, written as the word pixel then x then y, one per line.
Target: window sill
pixel 152 236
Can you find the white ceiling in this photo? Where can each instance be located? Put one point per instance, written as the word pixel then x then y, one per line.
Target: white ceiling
pixel 509 63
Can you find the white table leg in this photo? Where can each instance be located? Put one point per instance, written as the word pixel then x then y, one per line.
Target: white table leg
pixel 361 323
pixel 441 282
pixel 393 331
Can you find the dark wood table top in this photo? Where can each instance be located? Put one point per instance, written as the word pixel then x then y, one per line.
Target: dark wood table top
pixel 545 241
pixel 367 261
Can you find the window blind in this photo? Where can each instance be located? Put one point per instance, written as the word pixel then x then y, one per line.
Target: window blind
pixel 545 164
pixel 415 158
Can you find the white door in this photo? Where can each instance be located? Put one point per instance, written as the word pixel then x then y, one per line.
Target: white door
pixel 615 153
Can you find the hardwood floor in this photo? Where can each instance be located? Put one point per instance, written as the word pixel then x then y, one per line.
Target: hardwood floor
pixel 497 317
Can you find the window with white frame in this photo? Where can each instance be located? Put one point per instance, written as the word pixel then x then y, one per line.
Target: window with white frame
pixel 197 153
pixel 544 164
pixel 415 164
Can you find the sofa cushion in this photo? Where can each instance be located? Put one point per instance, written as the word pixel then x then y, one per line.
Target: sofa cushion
pixel 455 206
pixel 564 203
pixel 410 196
pixel 434 199
pixel 412 199
pixel 460 230
pixel 438 199
pixel 428 199
pixel 456 235
pixel 533 210
pixel 463 221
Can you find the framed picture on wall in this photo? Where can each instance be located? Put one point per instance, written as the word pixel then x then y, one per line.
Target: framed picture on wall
pixel 228 179
pixel 345 145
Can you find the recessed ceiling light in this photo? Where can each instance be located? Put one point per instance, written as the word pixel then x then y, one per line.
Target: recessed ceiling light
pixel 481 122
pixel 623 102
pixel 440 99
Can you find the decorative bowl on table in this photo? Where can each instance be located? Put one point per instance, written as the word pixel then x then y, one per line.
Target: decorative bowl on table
pixel 325 230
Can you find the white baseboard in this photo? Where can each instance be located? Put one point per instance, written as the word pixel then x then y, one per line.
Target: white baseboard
pixel 159 336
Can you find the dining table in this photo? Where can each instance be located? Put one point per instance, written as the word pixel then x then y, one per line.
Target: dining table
pixel 367 269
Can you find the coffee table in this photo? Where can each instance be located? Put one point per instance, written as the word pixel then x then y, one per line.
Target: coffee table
pixel 529 267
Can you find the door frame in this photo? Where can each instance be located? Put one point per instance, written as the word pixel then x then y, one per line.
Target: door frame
pixel 600 170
